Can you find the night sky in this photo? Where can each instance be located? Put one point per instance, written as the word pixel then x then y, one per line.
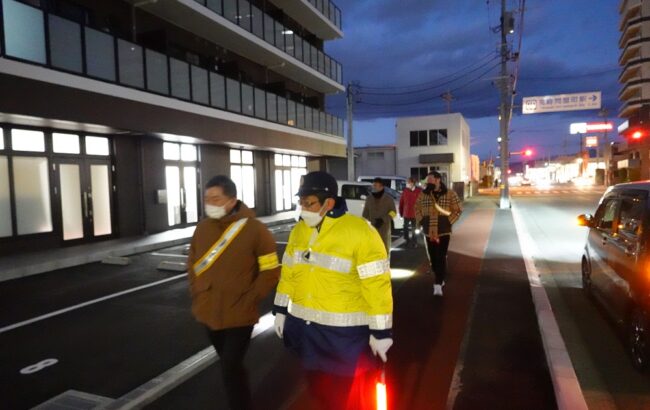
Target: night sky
pixel 407 51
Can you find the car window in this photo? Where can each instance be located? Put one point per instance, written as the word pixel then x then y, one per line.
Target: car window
pixel 631 216
pixel 392 192
pixel 354 191
pixel 400 185
pixel 606 214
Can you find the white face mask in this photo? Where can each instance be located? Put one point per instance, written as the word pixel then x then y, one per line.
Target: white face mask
pixel 215 212
pixel 312 218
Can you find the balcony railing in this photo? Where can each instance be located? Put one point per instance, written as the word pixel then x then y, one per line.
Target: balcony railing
pixel 33 36
pixel 329 10
pixel 254 20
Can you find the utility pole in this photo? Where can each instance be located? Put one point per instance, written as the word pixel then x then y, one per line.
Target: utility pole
pixel 603 113
pixel 504 111
pixel 448 97
pixel 350 106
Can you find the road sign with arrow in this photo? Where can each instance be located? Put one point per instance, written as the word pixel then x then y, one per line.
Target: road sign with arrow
pixel 562 102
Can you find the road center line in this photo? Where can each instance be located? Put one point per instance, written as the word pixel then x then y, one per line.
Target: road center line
pixel 88 303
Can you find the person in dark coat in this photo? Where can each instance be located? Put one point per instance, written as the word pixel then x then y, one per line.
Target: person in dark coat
pixel 379 209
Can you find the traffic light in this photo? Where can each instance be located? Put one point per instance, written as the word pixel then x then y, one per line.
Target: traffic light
pixel 637 135
pixel 528 152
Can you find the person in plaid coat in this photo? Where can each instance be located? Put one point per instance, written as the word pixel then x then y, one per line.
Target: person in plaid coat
pixel 436 210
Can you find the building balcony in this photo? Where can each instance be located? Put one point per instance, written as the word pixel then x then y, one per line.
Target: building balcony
pixel 322 17
pixel 246 30
pixel 634 89
pixel 101 75
pixel 629 9
pixel 630 107
pixel 631 70
pixel 632 30
pixel 631 51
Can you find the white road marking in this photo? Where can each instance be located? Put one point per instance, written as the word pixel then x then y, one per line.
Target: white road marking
pixel 37 367
pixel 88 303
pixel 163 383
pixel 568 393
pixel 171 255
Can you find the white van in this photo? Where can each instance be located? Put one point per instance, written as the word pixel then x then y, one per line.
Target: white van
pixel 393 182
pixel 355 194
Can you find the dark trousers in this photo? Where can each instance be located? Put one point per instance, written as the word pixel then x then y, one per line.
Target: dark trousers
pixel 437 251
pixel 409 230
pixel 330 390
pixel 231 346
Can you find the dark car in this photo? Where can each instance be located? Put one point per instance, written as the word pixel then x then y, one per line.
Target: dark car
pixel 615 267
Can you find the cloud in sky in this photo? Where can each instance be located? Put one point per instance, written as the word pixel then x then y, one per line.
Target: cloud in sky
pixel 567 47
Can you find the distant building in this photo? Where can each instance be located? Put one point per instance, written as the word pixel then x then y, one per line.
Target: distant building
pixel 377 160
pixel 434 142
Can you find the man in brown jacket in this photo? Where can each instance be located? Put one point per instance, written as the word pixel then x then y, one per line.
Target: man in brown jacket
pixel 232 265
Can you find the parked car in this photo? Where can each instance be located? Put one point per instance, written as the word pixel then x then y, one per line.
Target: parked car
pixel 392 182
pixel 355 194
pixel 615 263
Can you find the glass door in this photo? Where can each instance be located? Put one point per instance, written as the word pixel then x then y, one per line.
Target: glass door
pixel 85 199
pixel 182 192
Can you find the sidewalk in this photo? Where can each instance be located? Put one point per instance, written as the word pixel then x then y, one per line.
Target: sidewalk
pixel 32 263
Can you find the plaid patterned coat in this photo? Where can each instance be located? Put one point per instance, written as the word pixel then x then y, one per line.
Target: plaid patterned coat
pixel 425 210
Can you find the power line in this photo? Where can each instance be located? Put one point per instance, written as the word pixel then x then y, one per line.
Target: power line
pixel 428 83
pixel 433 87
pixel 436 96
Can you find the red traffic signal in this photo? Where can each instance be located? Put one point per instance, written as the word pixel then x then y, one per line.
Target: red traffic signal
pixel 637 135
pixel 528 152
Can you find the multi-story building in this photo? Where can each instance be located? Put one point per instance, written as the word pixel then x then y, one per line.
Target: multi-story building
pixel 434 142
pixel 115 112
pixel 635 56
pixel 635 92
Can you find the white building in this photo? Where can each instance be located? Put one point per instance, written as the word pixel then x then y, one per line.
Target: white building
pixel 434 143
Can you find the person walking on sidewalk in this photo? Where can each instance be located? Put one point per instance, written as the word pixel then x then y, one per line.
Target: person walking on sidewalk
pixel 407 211
pixel 333 306
pixel 232 265
pixel 379 209
pixel 436 210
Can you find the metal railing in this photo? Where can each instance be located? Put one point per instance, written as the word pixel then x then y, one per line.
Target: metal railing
pixel 254 20
pixel 30 35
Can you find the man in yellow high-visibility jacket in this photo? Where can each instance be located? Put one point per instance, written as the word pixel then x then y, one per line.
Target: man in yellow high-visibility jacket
pixel 333 305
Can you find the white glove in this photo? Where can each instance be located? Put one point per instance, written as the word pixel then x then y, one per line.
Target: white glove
pixel 278 324
pixel 380 346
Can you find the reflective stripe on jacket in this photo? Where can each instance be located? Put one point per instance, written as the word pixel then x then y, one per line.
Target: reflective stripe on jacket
pixel 338 276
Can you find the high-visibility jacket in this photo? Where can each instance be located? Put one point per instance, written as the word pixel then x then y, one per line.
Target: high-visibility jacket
pixel 337 276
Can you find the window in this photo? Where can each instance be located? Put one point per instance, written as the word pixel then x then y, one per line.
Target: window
pixel 27 140
pixel 32 195
pixel 355 191
pixel 631 216
pixel 289 169
pixel 606 214
pixel 242 172
pixel 24 31
pixel 5 200
pixel 2 139
pixel 171 151
pixel 65 143
pixel 188 153
pixel 423 138
pixel 97 146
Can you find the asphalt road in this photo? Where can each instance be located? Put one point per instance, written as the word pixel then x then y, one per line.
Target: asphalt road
pixel 110 347
pixel 595 344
